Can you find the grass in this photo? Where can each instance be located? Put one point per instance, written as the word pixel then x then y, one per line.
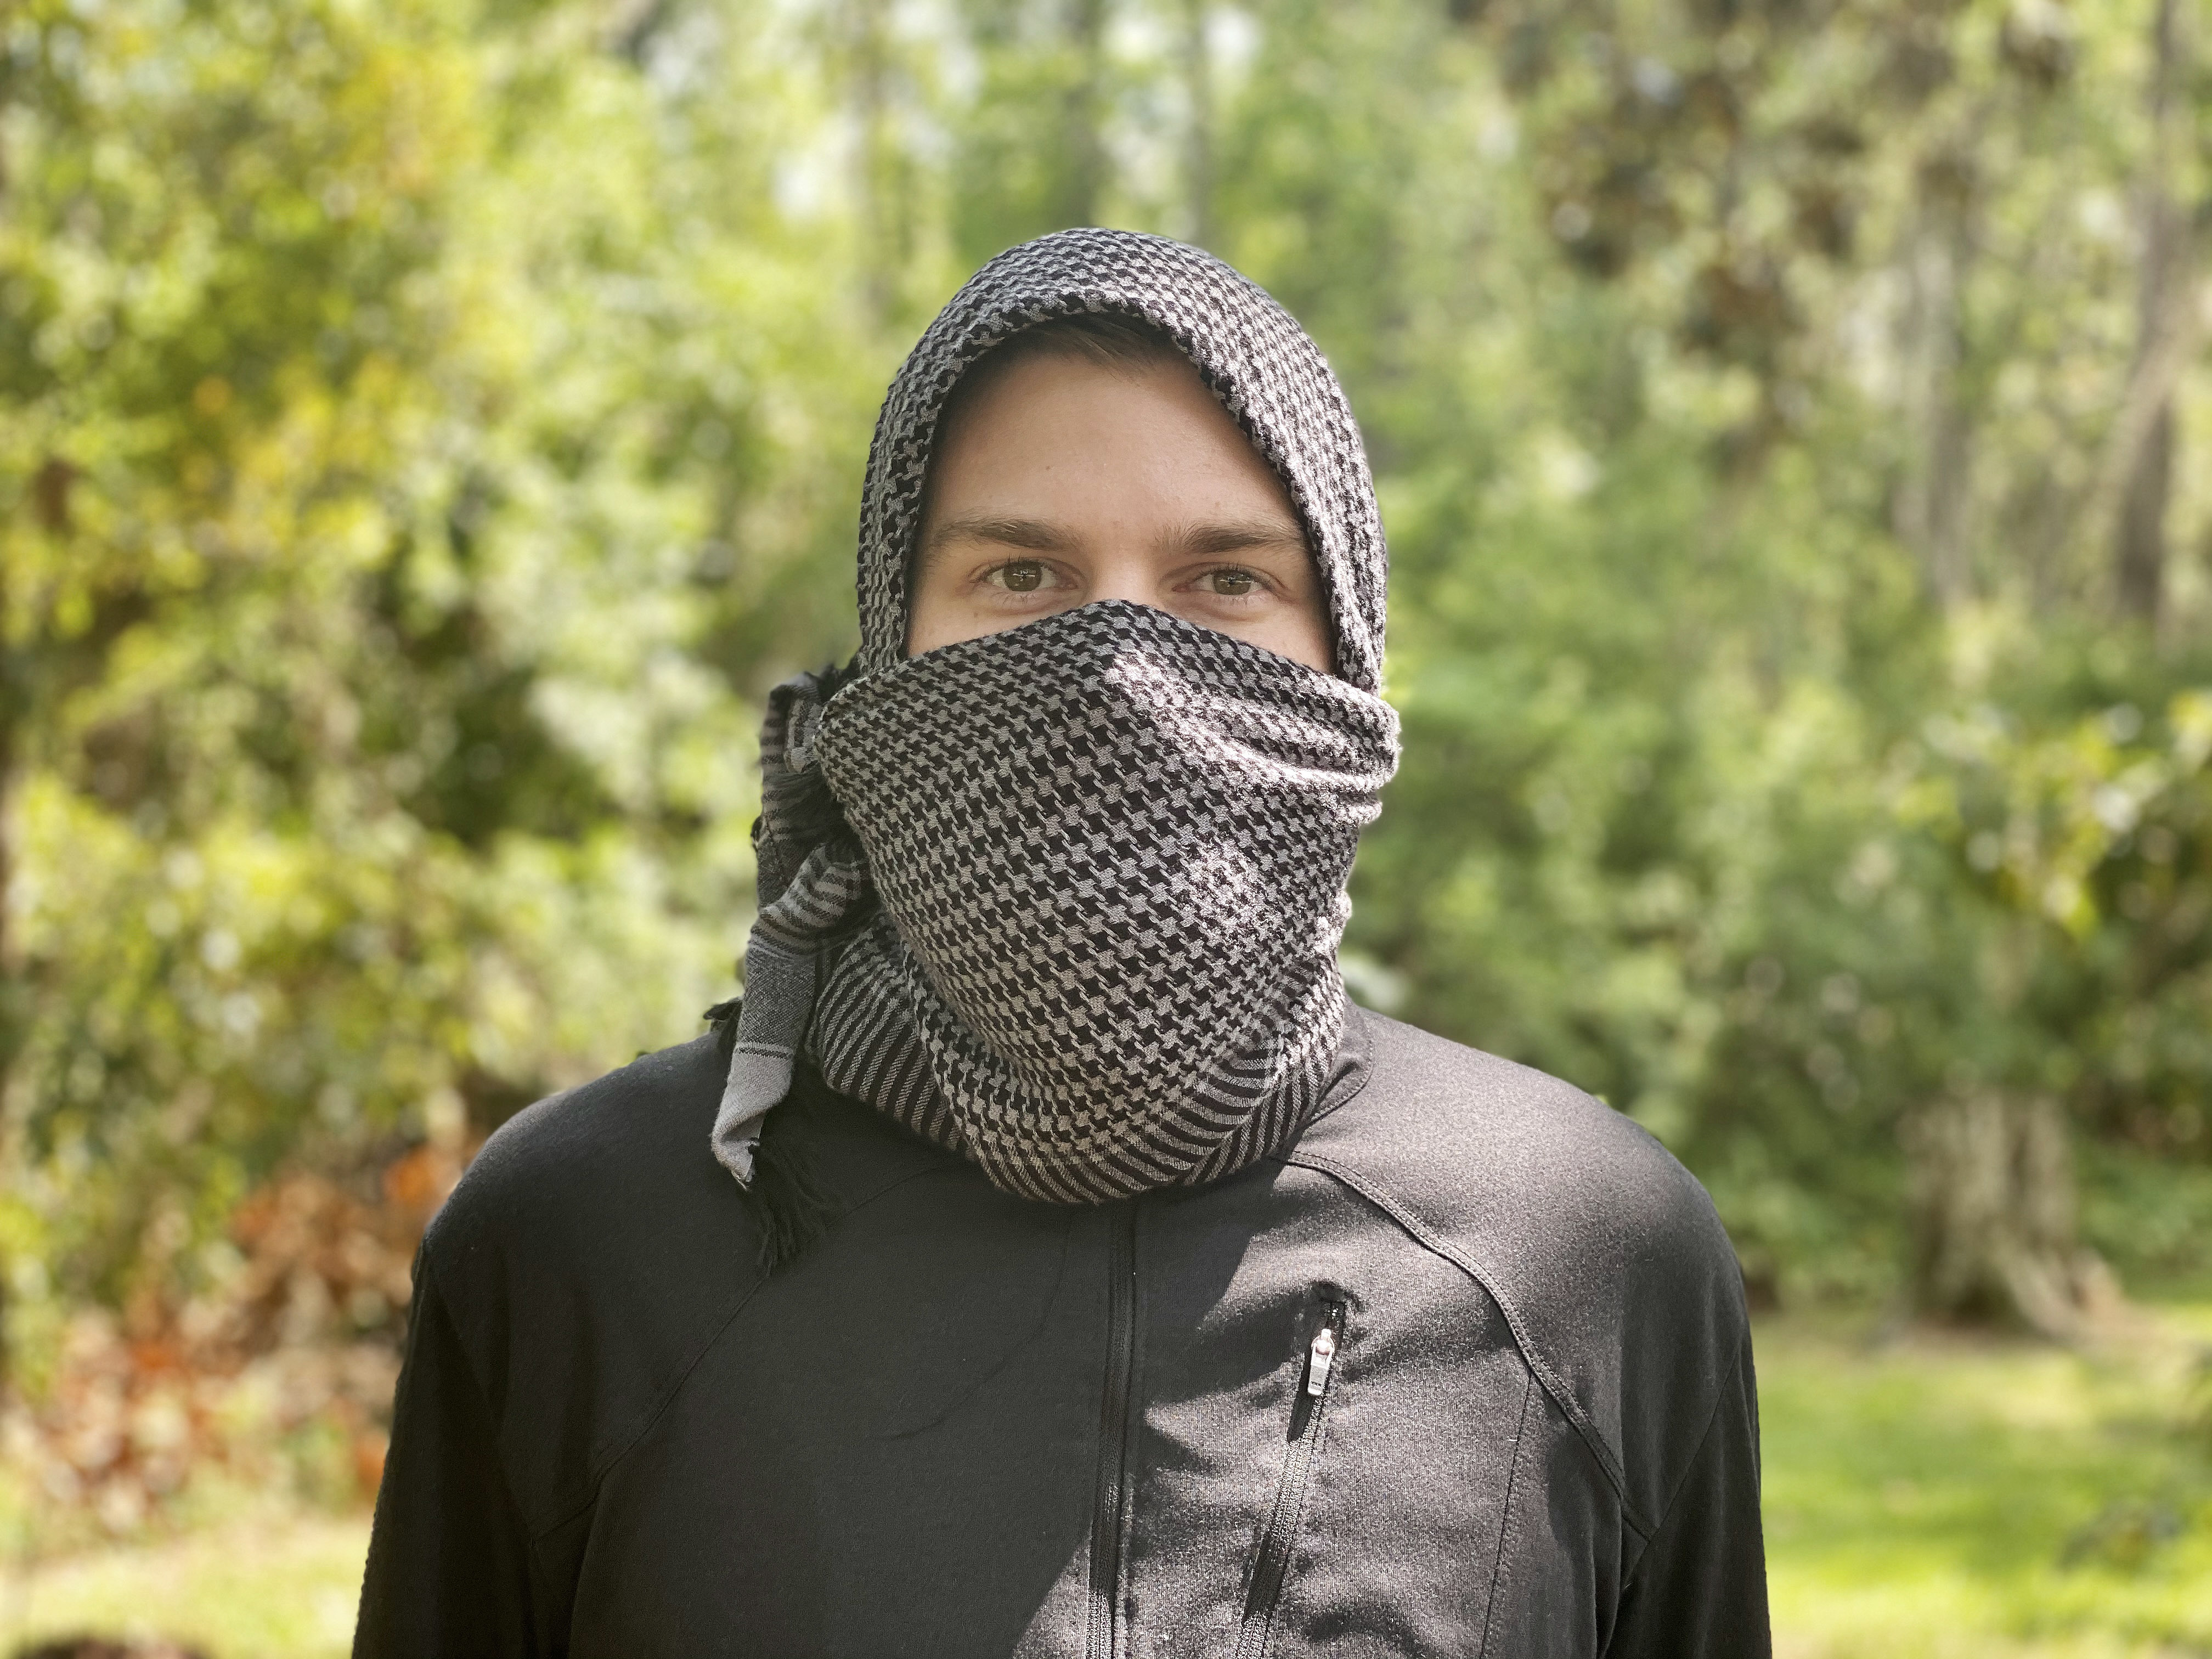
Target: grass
pixel 1930 1497
pixel 1941 1496
pixel 274 1587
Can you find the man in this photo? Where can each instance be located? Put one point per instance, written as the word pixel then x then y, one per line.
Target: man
pixel 1047 1258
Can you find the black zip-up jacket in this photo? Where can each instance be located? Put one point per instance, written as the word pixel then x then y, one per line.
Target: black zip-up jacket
pixel 1466 1371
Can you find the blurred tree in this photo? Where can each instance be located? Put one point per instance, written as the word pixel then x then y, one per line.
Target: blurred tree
pixel 381 451
pixel 428 430
pixel 1030 147
pixel 1667 674
pixel 2166 326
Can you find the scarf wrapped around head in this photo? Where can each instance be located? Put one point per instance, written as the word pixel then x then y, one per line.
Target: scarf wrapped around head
pixel 1066 898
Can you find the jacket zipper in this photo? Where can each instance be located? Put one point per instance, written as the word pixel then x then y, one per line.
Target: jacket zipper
pixel 1109 1508
pixel 1309 1406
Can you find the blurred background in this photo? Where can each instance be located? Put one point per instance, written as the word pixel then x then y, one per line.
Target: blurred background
pixel 428 427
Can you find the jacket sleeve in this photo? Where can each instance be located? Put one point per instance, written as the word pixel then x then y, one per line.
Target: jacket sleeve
pixel 449 1560
pixel 1699 1588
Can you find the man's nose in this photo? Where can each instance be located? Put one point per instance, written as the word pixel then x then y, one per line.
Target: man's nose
pixel 1124 573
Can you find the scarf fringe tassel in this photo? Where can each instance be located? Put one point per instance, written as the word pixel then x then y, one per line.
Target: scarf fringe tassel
pixel 790 1209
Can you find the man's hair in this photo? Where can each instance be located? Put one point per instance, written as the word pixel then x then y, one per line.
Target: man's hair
pixel 1125 345
pixel 1104 337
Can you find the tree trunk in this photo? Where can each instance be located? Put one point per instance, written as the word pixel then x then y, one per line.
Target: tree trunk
pixel 14 1011
pixel 1198 140
pixel 2139 553
pixel 1991 1193
pixel 2139 562
pixel 883 197
pixel 1932 501
pixel 1085 173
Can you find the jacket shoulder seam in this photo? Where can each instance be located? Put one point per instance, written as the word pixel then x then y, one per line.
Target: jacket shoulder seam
pixel 1608 1461
pixel 658 1408
pixel 1733 1369
pixel 1506 1518
pixel 430 1275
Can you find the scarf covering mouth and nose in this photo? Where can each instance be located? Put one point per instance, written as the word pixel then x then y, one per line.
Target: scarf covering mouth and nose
pixel 1067 899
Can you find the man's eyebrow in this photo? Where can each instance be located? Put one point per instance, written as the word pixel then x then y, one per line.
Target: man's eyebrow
pixel 1035 534
pixel 1236 535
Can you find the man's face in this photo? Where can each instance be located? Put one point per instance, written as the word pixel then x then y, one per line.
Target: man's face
pixel 1063 483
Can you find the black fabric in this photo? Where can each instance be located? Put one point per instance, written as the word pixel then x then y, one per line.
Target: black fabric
pixel 965 1422
pixel 481 1597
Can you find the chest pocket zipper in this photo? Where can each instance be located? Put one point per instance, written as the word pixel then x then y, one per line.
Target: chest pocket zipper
pixel 1309 1411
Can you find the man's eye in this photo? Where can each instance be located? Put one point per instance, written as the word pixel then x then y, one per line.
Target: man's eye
pixel 1233 584
pixel 1021 576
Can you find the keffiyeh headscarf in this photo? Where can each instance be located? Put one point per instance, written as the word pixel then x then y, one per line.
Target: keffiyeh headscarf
pixel 1067 899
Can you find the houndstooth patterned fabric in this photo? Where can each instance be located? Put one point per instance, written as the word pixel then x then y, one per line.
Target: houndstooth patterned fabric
pixel 1110 915
pixel 812 882
pixel 1068 899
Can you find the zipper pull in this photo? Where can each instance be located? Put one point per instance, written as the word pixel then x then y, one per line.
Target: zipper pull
pixel 1321 1354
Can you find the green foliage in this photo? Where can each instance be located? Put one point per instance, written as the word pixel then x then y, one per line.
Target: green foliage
pixel 1734 790
pixel 380 663
pixel 426 430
